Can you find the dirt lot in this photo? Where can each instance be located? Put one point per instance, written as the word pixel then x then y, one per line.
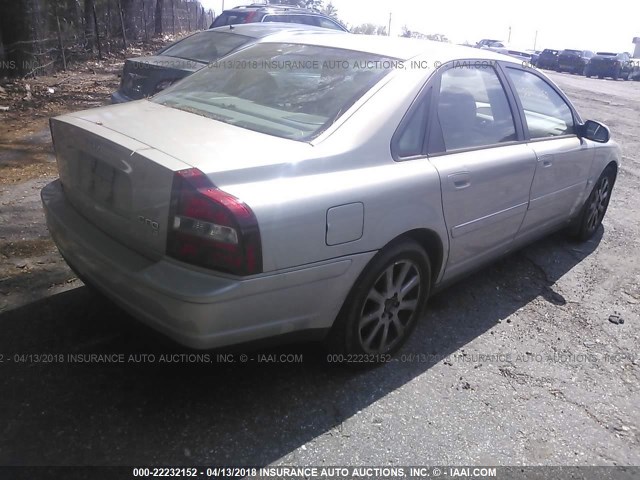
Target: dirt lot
pixel 519 364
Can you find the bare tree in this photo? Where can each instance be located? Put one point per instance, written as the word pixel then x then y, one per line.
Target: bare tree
pixel 370 29
pixel 18 37
pixel 158 20
pixel 89 24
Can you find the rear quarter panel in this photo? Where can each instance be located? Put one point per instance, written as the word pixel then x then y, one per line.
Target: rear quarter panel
pixel 350 163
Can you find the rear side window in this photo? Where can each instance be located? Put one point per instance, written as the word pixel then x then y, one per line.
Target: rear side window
pixel 473 109
pixel 409 142
pixel 546 112
pixel 231 18
pixel 206 46
pixel 300 19
pixel 326 23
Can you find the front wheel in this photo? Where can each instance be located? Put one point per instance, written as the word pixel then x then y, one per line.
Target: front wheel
pixel 595 207
pixel 385 303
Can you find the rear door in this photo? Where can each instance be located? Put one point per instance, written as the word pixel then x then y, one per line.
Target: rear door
pixel 563 159
pixel 475 143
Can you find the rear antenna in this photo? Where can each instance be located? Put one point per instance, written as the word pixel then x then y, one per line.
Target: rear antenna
pixel 231 27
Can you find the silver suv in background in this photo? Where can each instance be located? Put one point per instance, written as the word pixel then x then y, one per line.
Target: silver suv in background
pixel 276 13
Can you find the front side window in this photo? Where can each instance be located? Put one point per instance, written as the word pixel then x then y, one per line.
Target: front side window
pixel 546 112
pixel 286 90
pixel 473 109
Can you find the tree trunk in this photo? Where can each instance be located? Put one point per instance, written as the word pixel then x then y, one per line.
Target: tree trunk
pixel 95 24
pixel 18 38
pixel 158 19
pixel 124 35
pixel 89 25
pixel 144 21
pixel 60 42
pixel 129 15
pixel 173 17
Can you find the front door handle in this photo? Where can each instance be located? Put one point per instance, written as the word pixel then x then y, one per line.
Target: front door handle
pixel 547 161
pixel 460 180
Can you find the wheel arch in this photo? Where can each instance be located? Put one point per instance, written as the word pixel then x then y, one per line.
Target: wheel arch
pixel 432 244
pixel 613 165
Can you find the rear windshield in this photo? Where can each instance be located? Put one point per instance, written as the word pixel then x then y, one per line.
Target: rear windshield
pixel 285 90
pixel 607 54
pixel 232 18
pixel 573 52
pixel 552 52
pixel 206 46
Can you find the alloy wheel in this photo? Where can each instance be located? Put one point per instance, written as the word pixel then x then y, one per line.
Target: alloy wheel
pixel 389 307
pixel 598 206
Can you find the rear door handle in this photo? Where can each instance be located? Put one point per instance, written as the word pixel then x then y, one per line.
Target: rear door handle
pixel 460 180
pixel 547 161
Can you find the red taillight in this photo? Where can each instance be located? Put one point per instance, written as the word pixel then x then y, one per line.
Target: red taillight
pixel 250 18
pixel 210 228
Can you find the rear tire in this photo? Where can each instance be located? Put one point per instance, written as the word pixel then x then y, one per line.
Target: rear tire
pixel 616 74
pixel 384 304
pixel 595 207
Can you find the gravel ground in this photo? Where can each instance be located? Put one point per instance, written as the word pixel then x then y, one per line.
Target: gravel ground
pixel 516 365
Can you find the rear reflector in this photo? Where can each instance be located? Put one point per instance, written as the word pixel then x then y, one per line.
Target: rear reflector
pixel 211 228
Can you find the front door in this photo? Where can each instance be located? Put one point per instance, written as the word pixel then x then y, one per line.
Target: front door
pixel 563 159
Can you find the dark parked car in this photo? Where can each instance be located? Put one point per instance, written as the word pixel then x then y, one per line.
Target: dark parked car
pixel 574 61
pixel 276 13
pixel 548 59
pixel 146 76
pixel 606 64
pixel 535 55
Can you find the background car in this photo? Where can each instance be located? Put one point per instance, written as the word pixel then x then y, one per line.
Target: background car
pixel 244 203
pixel 535 54
pixel 548 59
pixel 520 54
pixel 146 76
pixel 488 42
pixel 606 64
pixel 276 13
pixel 573 61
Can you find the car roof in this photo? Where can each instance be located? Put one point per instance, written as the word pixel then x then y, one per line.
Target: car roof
pixel 263 29
pixel 392 47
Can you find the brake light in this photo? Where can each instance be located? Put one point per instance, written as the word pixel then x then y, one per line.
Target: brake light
pixel 211 228
pixel 250 17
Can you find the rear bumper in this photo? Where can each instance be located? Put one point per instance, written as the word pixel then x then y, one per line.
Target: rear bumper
pixel 548 64
pixel 195 308
pixel 602 69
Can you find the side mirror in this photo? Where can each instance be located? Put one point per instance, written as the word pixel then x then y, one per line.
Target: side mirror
pixel 594 131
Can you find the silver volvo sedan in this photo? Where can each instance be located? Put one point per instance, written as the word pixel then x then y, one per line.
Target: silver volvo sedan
pixel 320 183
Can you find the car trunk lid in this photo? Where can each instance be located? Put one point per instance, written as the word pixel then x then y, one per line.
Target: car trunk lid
pixel 120 185
pixel 219 149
